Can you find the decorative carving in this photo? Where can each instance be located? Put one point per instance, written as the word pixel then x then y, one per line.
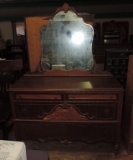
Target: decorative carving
pixel 65 8
pixel 65 112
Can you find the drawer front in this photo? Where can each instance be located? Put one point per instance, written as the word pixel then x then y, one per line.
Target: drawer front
pixel 24 96
pixel 32 110
pixel 66 112
pixel 68 96
pixel 99 111
pixel 65 131
pixel 92 97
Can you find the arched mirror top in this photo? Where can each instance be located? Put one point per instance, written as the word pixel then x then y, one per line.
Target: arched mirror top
pixel 61 44
pixel 66 42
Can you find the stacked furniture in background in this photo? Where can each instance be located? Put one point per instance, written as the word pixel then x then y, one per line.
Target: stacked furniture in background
pixel 116 61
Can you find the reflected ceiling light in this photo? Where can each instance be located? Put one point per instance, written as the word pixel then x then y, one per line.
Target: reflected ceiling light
pixel 77 38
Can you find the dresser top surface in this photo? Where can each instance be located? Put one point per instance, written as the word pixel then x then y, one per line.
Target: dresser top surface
pixel 41 83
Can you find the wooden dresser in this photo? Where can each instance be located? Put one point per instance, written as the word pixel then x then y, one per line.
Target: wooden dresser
pixel 77 104
pixel 67 108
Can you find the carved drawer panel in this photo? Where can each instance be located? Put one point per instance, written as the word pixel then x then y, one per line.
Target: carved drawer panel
pixel 32 110
pixel 99 111
pixel 66 111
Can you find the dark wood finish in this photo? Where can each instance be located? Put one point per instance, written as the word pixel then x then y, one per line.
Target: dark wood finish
pixel 11 65
pixel 67 108
pixel 115 32
pixel 114 35
pixel 116 61
pixel 128 109
pixel 99 49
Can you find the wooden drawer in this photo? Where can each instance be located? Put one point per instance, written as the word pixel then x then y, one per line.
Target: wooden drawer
pixel 66 111
pixel 32 110
pixel 65 132
pixel 99 111
pixel 24 96
pixel 93 96
pixel 67 96
pixel 67 108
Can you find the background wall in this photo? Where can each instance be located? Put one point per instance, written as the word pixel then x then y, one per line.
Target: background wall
pixel 6 30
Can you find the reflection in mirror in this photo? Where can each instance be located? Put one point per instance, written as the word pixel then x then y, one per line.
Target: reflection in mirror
pixel 66 43
pixel 20 33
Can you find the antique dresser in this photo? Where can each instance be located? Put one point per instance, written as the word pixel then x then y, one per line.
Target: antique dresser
pixel 60 101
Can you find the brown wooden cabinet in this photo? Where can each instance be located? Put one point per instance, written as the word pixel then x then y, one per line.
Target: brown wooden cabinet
pixel 65 105
pixel 67 108
pixel 115 31
pixel 117 63
pixel 128 109
pixel 112 35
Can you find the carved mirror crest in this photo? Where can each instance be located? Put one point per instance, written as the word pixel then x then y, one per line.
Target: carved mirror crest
pixel 66 42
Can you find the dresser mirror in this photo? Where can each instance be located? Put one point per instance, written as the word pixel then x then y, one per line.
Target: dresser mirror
pixel 66 42
pixel 61 42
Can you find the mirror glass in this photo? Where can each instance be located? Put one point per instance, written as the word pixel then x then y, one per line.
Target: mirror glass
pixel 66 43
